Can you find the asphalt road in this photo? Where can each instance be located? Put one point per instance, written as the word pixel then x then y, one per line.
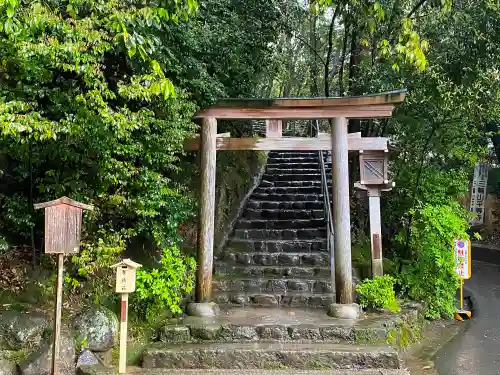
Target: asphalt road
pixel 477 350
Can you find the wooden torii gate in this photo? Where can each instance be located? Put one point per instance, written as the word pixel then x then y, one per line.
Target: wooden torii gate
pixel 339 142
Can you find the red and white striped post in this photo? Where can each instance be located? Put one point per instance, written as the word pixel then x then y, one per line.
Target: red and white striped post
pixel 122 367
pixel 125 284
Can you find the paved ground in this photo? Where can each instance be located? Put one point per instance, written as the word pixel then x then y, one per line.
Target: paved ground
pixel 250 372
pixel 477 350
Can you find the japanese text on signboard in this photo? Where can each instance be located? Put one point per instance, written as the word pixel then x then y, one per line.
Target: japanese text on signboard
pixel 462 259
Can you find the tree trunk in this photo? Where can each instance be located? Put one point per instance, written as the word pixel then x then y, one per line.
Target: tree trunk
pixel 342 58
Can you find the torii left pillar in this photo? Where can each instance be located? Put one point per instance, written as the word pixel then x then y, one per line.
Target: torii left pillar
pixel 206 221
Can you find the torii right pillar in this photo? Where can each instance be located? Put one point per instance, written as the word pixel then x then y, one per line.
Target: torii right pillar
pixel 344 306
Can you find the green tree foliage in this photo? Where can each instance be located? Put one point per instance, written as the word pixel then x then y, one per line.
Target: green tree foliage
pixel 96 100
pixel 89 113
pixel 429 274
pixel 447 55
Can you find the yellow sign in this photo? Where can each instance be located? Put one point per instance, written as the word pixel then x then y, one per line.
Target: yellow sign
pixel 462 259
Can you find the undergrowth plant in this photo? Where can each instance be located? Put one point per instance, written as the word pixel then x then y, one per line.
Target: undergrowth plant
pixel 161 289
pixel 378 293
pixel 429 275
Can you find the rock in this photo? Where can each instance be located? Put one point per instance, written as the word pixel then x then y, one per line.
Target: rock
pixel 106 358
pixel 22 330
pixel 203 309
pixel 39 362
pixel 86 358
pixel 175 333
pixel 7 367
pixel 304 333
pixel 207 332
pixel 98 326
pixel 342 311
pixel 273 333
pixel 95 370
pixel 239 333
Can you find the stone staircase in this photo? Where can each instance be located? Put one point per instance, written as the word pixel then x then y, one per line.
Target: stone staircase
pixel 278 255
pixel 272 284
pixel 272 339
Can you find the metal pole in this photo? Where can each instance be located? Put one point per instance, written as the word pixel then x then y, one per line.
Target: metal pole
pixel 461 294
pixel 375 232
pixel 341 211
pixel 57 314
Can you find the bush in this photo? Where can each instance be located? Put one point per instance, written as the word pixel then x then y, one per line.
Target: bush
pixel 163 288
pixel 430 275
pixel 378 293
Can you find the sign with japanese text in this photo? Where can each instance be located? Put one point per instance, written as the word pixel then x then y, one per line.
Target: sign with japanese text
pixel 462 259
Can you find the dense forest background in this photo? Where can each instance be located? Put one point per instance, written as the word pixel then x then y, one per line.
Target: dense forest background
pixel 96 99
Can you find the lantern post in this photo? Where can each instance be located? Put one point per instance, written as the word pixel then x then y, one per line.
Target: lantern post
pixel 63 225
pixel 374 179
pixel 125 284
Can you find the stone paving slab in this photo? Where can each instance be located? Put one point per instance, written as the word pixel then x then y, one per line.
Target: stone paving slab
pixel 138 371
pixel 250 316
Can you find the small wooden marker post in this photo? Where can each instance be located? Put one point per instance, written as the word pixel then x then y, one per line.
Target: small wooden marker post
pixel 125 284
pixel 63 225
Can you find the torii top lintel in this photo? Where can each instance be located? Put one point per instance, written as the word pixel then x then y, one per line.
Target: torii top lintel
pixel 367 106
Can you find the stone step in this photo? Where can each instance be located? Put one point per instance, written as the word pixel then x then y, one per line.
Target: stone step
pixel 298 159
pixel 277 299
pixel 281 224
pixel 273 285
pixel 294 177
pixel 262 355
pixel 280 234
pixel 296 184
pixel 265 183
pixel 276 259
pixel 294 165
pixel 277 246
pixel 286 197
pixel 250 324
pixel 292 170
pixel 292 154
pixel 289 190
pixel 283 214
pixel 284 205
pixel 262 271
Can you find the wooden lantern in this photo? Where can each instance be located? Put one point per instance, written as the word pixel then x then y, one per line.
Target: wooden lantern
pixel 125 275
pixel 63 225
pixel 374 167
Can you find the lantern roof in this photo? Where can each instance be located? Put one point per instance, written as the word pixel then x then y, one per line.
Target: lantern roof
pixel 127 262
pixel 64 201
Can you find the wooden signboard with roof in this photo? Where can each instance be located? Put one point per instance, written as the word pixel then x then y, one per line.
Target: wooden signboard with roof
pixel 63 225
